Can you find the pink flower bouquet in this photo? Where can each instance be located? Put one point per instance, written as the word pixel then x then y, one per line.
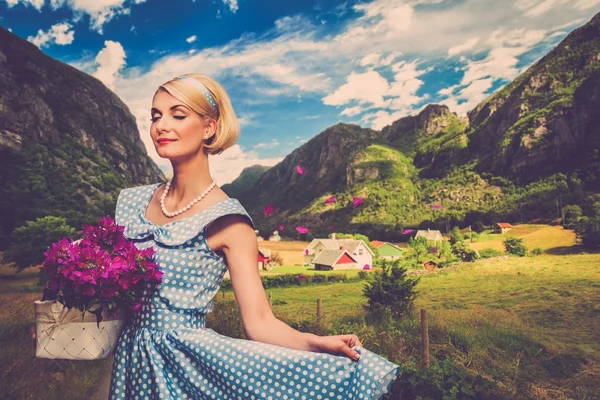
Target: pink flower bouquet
pixel 102 274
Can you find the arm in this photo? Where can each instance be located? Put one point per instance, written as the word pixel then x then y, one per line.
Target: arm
pixel 236 238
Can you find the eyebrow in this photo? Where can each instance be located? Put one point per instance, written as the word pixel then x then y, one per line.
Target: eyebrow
pixel 173 107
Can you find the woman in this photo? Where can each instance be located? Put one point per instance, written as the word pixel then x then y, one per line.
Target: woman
pixel 198 232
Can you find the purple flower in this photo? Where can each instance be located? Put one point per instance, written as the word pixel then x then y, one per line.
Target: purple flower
pixel 104 268
pixel 268 210
pixel 358 201
pixel 330 199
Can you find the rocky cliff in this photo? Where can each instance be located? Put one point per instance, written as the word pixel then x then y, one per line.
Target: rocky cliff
pixel 67 143
pixel 547 120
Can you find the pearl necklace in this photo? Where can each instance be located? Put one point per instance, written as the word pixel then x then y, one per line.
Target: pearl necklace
pixel 187 207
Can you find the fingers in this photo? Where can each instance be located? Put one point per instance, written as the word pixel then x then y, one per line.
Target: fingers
pixel 351 354
pixel 352 341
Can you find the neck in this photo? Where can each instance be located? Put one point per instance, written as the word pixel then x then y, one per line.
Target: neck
pixel 190 179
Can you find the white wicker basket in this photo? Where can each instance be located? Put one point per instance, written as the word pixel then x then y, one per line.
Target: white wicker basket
pixel 63 334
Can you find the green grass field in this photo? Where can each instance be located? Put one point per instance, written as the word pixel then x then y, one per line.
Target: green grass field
pixel 532 324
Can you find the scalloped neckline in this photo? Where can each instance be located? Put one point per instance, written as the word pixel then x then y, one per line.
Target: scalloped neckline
pixel 144 207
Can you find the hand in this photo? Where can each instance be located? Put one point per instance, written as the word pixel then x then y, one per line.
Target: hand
pixel 338 345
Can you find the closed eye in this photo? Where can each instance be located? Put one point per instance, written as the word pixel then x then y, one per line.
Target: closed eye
pixel 176 116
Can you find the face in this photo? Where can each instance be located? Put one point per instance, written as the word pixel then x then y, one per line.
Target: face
pixel 177 130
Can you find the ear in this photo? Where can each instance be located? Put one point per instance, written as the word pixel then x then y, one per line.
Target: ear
pixel 211 129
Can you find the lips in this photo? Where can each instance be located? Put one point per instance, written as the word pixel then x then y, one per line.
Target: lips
pixel 161 141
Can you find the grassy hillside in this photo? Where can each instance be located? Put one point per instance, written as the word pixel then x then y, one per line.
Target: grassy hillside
pixel 551 239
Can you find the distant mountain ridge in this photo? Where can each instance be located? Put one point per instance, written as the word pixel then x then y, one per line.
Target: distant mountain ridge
pixel 531 147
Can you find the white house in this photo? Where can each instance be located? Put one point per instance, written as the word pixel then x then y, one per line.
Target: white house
pixel 275 237
pixel 430 235
pixel 357 251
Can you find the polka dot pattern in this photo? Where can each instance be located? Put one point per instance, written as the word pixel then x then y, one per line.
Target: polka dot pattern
pixel 167 352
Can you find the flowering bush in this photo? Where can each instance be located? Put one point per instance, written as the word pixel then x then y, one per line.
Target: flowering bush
pixel 104 270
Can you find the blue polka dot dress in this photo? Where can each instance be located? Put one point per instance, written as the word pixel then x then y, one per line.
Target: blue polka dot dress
pixel 167 352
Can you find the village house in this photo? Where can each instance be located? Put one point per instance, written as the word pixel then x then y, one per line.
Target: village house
pixel 359 255
pixel 386 250
pixel 330 259
pixel 263 258
pixel 275 237
pixel 430 235
pixel 430 265
pixel 502 227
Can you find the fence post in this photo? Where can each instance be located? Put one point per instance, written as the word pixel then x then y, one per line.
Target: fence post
pixel 424 339
pixel 319 312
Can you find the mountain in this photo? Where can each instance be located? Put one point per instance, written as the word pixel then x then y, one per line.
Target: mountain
pixel 245 181
pixel 67 143
pixel 530 148
pixel 545 121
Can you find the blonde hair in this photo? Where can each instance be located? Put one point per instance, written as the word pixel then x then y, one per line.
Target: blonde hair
pixel 228 126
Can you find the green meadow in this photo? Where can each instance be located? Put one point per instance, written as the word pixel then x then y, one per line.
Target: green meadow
pixel 531 325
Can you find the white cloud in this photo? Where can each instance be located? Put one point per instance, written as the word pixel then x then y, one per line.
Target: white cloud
pixel 500 64
pixel 381 119
pixel 501 61
pixel 110 60
pixel 227 166
pixel 100 12
pixel 191 39
pixel 37 4
pixel 61 34
pixel 232 4
pixel 461 48
pixel 191 51
pixel 352 111
pixel 379 60
pixel 368 87
pixel 535 8
pixel 269 145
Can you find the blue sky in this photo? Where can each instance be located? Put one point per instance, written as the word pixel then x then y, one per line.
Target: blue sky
pixel 293 68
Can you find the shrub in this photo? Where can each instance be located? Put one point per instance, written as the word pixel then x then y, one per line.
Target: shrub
pixel 489 253
pixel 478 227
pixel 455 235
pixel 30 241
pixel 537 251
pixel 390 293
pixel 445 379
pixel 275 260
pixel 363 275
pixel 463 251
pixel 471 236
pixel 515 246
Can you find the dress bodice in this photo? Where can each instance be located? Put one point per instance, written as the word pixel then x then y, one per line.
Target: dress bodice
pixel 193 272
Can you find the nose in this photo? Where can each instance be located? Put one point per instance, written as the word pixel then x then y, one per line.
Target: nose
pixel 161 125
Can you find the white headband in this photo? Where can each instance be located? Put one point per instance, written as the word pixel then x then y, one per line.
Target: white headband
pixel 200 86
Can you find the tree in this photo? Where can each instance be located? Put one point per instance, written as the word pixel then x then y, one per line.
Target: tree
pixel 30 241
pixel 455 235
pixel 515 246
pixel 478 227
pixel 463 251
pixel 390 293
pixel 589 228
pixel 572 215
